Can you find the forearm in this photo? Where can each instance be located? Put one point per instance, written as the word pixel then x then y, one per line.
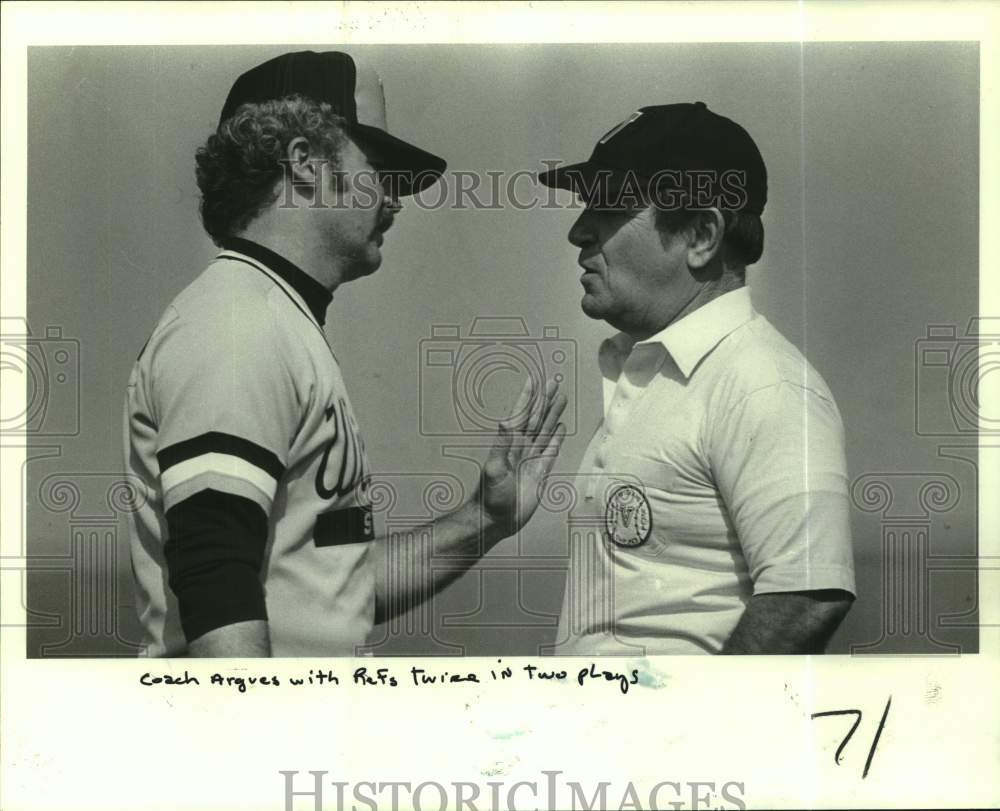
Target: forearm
pixel 240 640
pixel 789 622
pixel 404 574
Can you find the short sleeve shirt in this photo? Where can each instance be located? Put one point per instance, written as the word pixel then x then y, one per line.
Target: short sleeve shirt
pixel 717 473
pixel 238 391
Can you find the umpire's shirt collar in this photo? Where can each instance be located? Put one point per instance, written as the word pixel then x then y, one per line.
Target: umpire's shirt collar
pixel 691 338
pixel 316 297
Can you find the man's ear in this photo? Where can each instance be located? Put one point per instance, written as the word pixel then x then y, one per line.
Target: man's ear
pixel 300 167
pixel 705 238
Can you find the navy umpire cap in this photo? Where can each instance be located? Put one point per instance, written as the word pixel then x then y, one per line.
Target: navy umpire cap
pixel 354 93
pixel 658 145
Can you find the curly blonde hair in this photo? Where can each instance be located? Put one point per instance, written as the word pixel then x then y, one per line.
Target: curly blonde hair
pixel 240 164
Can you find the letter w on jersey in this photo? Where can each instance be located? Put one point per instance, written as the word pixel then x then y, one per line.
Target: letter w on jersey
pixel 351 524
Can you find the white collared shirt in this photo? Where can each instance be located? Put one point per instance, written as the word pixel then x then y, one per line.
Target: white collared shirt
pixel 717 473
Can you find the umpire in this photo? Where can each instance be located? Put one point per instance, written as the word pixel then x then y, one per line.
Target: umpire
pixel 718 472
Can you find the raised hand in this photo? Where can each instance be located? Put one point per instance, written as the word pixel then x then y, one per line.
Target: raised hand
pixel 522 455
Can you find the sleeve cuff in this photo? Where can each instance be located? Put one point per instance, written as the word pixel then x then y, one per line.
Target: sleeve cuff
pixel 815 578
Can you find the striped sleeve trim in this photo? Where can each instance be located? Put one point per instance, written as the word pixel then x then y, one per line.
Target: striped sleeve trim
pixel 218 442
pixel 259 492
pixel 222 462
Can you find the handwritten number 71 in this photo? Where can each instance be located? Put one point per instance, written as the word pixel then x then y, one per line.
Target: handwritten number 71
pixel 853 729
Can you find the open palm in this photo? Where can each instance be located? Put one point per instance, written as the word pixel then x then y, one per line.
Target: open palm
pixel 522 455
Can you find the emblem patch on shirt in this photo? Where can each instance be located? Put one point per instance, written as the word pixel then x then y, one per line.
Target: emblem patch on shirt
pixel 627 516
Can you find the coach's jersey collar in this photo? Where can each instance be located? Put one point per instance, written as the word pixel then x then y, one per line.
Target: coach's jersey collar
pixel 695 335
pixel 316 297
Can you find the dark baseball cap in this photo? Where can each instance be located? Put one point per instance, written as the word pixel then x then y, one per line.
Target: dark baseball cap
pixel 354 93
pixel 665 148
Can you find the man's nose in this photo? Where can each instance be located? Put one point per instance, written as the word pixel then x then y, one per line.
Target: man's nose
pixel 581 234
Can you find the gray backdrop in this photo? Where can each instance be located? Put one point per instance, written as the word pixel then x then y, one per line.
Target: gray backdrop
pixel 872 240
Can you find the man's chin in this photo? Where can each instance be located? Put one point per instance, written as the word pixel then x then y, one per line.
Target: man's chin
pixel 591 308
pixel 368 266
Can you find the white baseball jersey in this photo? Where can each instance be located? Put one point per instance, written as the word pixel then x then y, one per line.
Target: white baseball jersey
pixel 718 473
pixel 238 423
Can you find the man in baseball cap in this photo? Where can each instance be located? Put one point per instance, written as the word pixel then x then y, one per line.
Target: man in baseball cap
pixel 718 472
pixel 354 92
pixel 678 155
pixel 257 537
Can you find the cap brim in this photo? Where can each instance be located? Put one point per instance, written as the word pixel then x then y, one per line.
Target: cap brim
pixel 599 186
pixel 572 176
pixel 587 177
pixel 411 169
